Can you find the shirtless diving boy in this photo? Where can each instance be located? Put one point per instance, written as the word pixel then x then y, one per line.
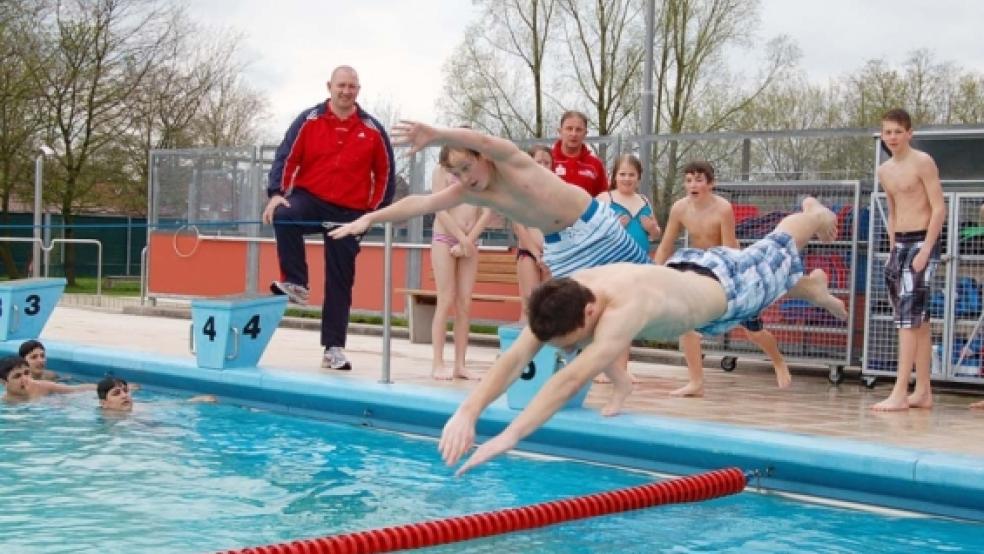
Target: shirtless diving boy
pixel 602 309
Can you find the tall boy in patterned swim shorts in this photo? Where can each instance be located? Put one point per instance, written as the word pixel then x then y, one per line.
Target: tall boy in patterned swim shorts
pixel 916 211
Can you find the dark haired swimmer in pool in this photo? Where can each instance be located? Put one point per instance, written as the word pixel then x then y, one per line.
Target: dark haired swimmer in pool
pixel 15 373
pixel 114 395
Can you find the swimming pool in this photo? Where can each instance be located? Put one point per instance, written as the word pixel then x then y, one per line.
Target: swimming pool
pixel 179 477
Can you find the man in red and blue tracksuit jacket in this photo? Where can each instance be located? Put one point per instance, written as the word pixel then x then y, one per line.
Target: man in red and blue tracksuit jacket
pixel 573 161
pixel 334 165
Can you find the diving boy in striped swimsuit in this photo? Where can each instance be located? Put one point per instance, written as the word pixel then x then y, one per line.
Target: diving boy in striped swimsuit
pixel 579 232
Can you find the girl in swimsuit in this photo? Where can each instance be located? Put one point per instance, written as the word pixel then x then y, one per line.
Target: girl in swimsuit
pixel 635 213
pixel 454 258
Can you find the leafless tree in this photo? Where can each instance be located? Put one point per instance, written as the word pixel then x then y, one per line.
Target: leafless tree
pixel 231 113
pixel 605 52
pixel 20 121
pixel 92 57
pixel 483 88
pixel 694 90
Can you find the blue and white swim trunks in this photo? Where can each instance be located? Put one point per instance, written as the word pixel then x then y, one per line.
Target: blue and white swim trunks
pixel 596 238
pixel 752 278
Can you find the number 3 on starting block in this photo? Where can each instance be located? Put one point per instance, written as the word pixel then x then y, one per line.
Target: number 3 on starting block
pixel 26 305
pixel 233 332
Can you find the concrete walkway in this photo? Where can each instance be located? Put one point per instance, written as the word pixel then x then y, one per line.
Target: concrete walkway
pixel 747 397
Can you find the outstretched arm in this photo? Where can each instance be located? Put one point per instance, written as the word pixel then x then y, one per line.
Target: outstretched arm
pixel 418 135
pixel 668 243
pixel 484 216
pixel 410 206
pixel 59 388
pixel 564 384
pixel 613 335
pixel 729 236
pixel 930 177
pixel 439 182
pixel 890 215
pixel 458 435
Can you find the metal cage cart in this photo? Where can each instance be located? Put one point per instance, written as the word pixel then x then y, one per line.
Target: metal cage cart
pixel 955 304
pixel 804 332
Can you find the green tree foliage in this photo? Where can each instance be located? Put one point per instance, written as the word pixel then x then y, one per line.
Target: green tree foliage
pixel 103 82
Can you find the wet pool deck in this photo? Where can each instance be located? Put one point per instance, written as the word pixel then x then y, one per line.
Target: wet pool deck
pixel 746 397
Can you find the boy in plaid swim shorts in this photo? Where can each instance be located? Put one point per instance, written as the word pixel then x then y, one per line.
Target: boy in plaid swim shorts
pixel 602 309
pixel 709 221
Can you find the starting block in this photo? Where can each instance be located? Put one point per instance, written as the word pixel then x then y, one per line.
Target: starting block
pixel 26 305
pixel 544 364
pixel 233 331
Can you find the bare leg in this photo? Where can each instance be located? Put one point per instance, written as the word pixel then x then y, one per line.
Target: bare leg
pixel 815 219
pixel 977 405
pixel 528 277
pixel 813 289
pixel 621 389
pixel 767 342
pixel 922 396
pixel 899 397
pixel 444 265
pixel 467 269
pixel 690 344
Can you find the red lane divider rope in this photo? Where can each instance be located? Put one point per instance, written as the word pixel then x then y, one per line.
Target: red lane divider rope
pixel 694 488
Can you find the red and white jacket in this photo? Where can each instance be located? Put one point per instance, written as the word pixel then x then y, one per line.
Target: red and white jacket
pixel 584 170
pixel 347 162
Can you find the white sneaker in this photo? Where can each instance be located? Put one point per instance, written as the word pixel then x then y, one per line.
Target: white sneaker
pixel 335 359
pixel 296 294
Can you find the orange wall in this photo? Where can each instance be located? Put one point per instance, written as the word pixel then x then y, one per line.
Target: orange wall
pixel 218 267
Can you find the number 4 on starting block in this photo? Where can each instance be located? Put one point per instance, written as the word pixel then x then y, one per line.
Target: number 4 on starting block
pixel 234 331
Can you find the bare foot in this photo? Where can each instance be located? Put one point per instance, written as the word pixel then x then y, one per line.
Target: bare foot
pixel 783 377
pixel 465 373
pixel 690 389
pixel 977 405
pixel 813 288
pixel 621 390
pixel 921 400
pixel 441 373
pixel 892 404
pixel 828 231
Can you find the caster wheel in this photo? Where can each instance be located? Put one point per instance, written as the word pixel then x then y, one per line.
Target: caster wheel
pixel 869 381
pixel 729 363
pixel 836 375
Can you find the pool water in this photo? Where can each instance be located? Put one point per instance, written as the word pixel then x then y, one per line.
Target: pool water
pixel 180 477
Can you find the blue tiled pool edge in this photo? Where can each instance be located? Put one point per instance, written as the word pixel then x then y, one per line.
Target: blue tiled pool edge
pixel 924 481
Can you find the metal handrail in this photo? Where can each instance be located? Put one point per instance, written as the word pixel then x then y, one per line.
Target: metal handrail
pixel 47 254
pixel 47 251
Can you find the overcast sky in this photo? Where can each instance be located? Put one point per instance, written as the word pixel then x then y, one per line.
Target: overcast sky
pixel 400 46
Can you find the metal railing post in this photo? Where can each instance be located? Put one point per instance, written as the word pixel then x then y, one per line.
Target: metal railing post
pixel 143 275
pixel 387 299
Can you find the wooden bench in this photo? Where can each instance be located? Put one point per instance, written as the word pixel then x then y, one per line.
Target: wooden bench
pixel 109 281
pixel 493 267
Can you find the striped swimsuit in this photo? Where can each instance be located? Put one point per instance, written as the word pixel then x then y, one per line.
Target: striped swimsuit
pixel 595 239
